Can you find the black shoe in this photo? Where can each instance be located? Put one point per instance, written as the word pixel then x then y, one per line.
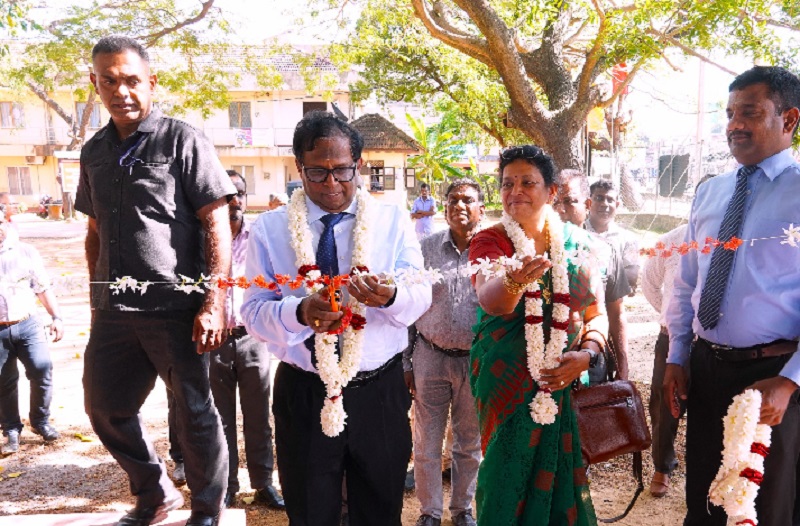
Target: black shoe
pixel 409 484
pixel 447 474
pixel 427 520
pixel 201 519
pixel 230 499
pixel 179 474
pixel 12 443
pixel 146 516
pixel 464 519
pixel 47 432
pixel 269 496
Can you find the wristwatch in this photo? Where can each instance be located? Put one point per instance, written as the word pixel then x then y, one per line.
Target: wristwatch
pixel 593 357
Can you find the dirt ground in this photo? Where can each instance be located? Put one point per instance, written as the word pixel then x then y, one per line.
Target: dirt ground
pixel 76 474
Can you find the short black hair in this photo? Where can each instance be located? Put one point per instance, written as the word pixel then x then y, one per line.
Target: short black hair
pixel 234 173
pixel 571 174
pixel 603 184
pixel 783 86
pixel 465 182
pixel 534 156
pixel 424 185
pixel 323 124
pixel 114 44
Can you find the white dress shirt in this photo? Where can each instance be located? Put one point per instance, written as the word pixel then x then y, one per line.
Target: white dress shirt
pixel 658 273
pixel 272 316
pixel 22 277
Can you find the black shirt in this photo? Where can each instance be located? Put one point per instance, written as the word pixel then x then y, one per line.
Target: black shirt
pixel 144 194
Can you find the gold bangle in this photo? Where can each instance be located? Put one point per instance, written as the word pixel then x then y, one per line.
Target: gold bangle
pixel 512 287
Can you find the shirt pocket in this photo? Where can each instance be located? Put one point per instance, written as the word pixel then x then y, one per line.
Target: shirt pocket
pixel 769 253
pixel 152 188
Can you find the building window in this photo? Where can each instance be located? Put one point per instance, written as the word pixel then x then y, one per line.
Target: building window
pixel 94 120
pixel 19 180
pixel 411 178
pixel 12 115
pixel 313 106
pixel 249 174
pixel 239 114
pixel 389 179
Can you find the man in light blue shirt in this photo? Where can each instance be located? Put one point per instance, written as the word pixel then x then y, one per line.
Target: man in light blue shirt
pixel 375 446
pixel 746 312
pixel 423 210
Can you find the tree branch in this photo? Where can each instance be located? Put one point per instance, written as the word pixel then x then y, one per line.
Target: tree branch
pixel 686 49
pixel 632 73
pixel 469 45
pixel 151 39
pixel 55 106
pixel 587 73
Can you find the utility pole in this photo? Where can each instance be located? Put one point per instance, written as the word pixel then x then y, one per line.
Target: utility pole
pixel 698 150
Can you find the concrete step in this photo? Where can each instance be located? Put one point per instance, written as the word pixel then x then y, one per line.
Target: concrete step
pixel 230 517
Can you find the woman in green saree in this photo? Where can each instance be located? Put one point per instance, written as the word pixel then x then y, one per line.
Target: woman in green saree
pixel 527 353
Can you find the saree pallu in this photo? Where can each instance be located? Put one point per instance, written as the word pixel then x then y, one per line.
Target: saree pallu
pixel 531 475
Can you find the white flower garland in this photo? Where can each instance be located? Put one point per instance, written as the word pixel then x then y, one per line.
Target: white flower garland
pixel 335 373
pixel 746 444
pixel 540 356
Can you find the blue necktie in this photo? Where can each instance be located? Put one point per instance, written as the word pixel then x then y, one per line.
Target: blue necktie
pixel 327 261
pixel 722 259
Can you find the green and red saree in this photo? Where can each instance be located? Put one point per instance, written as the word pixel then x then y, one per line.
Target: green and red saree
pixel 531 475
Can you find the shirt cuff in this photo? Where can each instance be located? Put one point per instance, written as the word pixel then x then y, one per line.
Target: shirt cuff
pixel 397 304
pixel 289 314
pixel 791 370
pixel 678 355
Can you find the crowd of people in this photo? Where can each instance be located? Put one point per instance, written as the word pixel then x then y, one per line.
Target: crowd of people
pixel 490 358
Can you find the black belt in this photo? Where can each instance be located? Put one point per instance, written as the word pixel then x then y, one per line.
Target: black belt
pixel 453 353
pixel 237 332
pixel 363 377
pixel 10 323
pixel 741 354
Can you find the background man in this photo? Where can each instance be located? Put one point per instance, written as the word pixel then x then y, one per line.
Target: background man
pixel 437 366
pixel 243 360
pixel 156 196
pixel 22 337
pixel 743 304
pixel 277 200
pixel 375 446
pixel 423 210
pixel 658 276
pixel 602 204
pixel 572 205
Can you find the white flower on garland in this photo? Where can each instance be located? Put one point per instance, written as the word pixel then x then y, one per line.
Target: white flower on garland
pixel 334 373
pixel 745 446
pixel 540 356
pixel 791 235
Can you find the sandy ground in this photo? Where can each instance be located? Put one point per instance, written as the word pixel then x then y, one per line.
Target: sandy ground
pixel 76 474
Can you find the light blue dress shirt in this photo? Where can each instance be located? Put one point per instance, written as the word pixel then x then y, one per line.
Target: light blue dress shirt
pixel 272 316
pixel 762 299
pixel 424 224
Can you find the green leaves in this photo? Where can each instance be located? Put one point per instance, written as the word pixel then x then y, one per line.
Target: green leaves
pixel 441 147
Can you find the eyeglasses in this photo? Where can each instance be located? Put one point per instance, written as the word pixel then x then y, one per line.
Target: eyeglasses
pixel 320 175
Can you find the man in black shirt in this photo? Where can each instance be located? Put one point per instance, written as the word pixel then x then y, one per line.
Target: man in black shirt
pixel 156 196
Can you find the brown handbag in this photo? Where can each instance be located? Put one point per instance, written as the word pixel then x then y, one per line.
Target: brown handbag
pixel 612 422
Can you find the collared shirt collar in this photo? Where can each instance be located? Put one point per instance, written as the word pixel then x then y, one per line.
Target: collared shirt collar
pixel 244 233
pixel 315 213
pixel 148 125
pixel 449 239
pixel 772 166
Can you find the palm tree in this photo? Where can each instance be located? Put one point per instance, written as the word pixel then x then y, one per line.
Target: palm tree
pixel 440 149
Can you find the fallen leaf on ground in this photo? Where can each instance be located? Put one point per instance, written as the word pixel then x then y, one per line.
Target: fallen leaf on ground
pixel 83 438
pixel 248 500
pixel 15 475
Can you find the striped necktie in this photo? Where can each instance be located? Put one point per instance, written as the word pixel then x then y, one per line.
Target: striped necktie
pixel 708 313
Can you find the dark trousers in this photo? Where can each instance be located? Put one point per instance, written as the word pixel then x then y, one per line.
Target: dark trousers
pixel 245 361
pixel 714 384
pixel 374 449
pixel 25 341
pixel 175 452
pixel 125 354
pixel 664 425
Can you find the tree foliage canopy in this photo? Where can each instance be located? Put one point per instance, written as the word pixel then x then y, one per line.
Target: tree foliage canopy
pixel 540 66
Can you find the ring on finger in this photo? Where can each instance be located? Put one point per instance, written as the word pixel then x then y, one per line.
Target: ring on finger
pixel 316 323
pixel 562 383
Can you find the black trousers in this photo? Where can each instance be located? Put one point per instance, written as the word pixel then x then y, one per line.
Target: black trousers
pixel 664 425
pixel 714 384
pixel 374 449
pixel 125 354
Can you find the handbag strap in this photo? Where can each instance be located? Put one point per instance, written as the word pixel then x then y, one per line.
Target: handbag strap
pixel 608 348
pixel 636 466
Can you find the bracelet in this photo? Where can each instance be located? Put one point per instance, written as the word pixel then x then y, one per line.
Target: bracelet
pixel 511 286
pixel 56 318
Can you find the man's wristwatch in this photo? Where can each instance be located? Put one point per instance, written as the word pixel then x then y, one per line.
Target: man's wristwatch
pixel 56 318
pixel 593 357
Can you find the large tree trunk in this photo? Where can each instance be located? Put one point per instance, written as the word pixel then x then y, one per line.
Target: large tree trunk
pixel 628 193
pixel 566 152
